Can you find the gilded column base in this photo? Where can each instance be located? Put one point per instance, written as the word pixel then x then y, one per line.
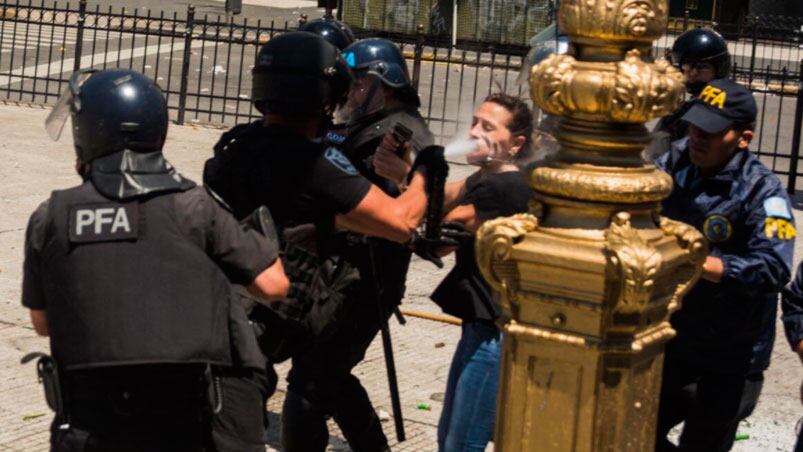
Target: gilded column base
pixel 587 282
pixel 559 394
pixel 585 320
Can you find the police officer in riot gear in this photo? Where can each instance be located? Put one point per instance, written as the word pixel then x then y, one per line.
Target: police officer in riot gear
pixel 130 275
pixel 382 102
pixel 312 188
pixel 381 96
pixel 702 55
pixel 334 31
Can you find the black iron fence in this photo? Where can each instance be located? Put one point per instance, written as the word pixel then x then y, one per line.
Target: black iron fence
pixel 203 64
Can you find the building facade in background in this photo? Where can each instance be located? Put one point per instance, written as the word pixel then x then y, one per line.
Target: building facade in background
pixel 505 22
pixel 734 11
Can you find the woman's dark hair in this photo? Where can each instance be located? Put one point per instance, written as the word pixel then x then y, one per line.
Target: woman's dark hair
pixel 521 122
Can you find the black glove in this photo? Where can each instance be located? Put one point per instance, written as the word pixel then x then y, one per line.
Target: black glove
pixel 431 159
pixel 456 231
pixel 262 221
pixel 452 235
pixel 425 248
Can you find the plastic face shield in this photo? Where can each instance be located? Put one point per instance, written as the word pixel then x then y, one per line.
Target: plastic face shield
pixel 542 45
pixel 365 98
pixel 68 102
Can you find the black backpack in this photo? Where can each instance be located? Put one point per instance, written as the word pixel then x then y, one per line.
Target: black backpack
pixel 319 286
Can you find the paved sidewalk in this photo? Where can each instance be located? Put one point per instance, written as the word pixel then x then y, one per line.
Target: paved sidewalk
pixel 32 166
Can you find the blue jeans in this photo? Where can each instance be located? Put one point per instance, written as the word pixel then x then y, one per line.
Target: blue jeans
pixel 469 407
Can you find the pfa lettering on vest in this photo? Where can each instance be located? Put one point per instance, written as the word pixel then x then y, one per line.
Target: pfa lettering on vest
pixel 105 222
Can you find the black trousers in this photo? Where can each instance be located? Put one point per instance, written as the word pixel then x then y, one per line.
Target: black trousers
pixel 753 385
pixel 110 411
pixel 241 425
pixel 711 404
pixel 320 384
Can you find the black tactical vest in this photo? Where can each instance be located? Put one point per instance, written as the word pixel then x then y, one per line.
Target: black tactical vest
pixel 128 287
pixel 390 277
pixel 258 166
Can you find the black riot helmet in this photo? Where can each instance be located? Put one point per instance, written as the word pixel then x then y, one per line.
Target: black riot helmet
pixel 379 57
pixel 111 110
pixel 702 45
pixel 334 31
pixel 379 62
pixel 300 74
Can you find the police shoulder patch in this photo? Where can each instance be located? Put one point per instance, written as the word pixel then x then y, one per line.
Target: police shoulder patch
pixel 340 161
pixel 780 228
pixel 103 222
pixel 717 228
pixel 777 207
pixel 335 138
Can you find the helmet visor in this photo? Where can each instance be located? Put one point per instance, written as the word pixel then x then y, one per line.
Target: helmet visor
pixel 67 103
pixel 365 98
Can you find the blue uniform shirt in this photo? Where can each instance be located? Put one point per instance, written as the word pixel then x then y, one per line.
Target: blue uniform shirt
pixel 745 214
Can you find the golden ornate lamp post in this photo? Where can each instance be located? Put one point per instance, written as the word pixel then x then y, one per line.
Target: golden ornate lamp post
pixel 588 279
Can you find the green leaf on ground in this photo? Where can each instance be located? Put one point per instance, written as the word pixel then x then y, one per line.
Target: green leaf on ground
pixel 32 416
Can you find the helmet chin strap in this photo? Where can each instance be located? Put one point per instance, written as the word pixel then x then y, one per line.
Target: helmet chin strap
pixel 83 169
pixel 362 111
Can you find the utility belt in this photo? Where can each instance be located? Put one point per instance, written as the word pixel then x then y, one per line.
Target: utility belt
pixel 100 398
pixel 316 303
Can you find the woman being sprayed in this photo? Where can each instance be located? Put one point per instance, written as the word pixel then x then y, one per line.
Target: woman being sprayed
pixel 502 134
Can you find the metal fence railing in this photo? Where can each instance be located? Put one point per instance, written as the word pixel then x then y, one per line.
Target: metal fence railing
pixel 204 65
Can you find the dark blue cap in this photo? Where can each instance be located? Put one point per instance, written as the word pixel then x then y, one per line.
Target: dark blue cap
pixel 722 104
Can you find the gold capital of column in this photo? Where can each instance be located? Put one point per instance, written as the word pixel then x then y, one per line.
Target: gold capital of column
pixel 587 280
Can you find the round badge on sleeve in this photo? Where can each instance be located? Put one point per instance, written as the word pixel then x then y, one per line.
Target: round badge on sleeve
pixel 717 228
